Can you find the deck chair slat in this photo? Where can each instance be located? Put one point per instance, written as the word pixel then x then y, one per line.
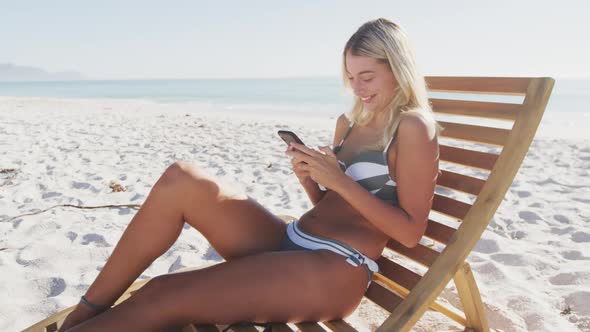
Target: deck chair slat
pixel 479 85
pixel 339 325
pixel 51 327
pixel 383 297
pixel 500 111
pixel 401 275
pixel 450 207
pixel 480 134
pixel 419 253
pixel 464 183
pixel 439 232
pixel 467 157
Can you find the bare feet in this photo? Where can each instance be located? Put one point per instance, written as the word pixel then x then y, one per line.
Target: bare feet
pixel 80 314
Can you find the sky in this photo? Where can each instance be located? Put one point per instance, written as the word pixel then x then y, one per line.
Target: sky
pixel 147 39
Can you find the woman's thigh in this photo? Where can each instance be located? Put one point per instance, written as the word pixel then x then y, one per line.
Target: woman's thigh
pixel 235 224
pixel 290 286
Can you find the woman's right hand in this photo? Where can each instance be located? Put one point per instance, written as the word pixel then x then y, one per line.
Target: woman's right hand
pixel 302 175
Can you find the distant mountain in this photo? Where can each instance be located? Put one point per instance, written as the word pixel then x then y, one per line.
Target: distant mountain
pixel 10 72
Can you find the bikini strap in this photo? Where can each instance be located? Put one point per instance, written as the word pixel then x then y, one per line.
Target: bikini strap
pixel 339 147
pixel 388 144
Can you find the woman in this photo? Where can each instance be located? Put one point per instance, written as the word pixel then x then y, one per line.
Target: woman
pixel 378 183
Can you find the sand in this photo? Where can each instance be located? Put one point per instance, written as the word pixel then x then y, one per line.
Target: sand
pixel 532 263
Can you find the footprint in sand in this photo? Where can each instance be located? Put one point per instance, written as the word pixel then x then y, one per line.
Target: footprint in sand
pixel 561 218
pixel 523 194
pixel 124 211
pixel 80 185
pixel 72 236
pixel 50 194
pixel 571 278
pixel 518 235
pixel 561 231
pixel 51 286
pixel 574 255
pixel 27 262
pixel 529 216
pixel 177 265
pixel 534 321
pixel 16 223
pixel 96 239
pixel 578 301
pixel 489 271
pixel 581 237
pixel 510 259
pixel 486 246
pixel 212 255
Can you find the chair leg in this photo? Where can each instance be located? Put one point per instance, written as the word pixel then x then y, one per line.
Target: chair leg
pixel 471 299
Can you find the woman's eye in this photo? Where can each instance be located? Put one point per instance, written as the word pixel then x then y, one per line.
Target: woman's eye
pixel 368 80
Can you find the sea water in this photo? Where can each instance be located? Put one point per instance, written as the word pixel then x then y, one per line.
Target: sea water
pixel 325 95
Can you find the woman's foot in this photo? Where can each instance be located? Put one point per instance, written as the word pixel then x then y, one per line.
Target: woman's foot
pixel 80 314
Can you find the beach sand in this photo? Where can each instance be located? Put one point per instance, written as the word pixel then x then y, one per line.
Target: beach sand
pixel 532 263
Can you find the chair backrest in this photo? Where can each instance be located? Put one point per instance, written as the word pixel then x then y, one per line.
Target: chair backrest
pixel 479 160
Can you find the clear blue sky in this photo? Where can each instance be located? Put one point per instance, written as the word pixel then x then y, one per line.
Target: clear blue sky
pixel 266 38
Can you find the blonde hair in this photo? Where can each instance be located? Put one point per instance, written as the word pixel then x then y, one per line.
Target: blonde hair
pixel 388 43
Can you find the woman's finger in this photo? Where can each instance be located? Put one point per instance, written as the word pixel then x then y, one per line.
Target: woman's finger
pixel 305 168
pixel 302 157
pixel 327 150
pixel 305 149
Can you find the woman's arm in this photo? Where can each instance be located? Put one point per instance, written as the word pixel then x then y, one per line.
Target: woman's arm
pixel 416 172
pixel 311 187
pixel 313 191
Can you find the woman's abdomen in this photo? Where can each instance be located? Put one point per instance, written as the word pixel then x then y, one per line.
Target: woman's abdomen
pixel 334 218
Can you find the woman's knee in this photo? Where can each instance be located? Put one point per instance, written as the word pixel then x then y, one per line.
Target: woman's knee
pixel 182 173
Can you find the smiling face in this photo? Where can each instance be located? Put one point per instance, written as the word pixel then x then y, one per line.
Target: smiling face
pixel 371 80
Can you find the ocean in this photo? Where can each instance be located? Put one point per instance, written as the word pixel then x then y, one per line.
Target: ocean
pixel 305 95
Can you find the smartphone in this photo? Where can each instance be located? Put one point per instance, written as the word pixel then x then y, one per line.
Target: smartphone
pixel 289 136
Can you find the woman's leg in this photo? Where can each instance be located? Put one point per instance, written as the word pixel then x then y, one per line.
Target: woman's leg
pixel 290 286
pixel 234 225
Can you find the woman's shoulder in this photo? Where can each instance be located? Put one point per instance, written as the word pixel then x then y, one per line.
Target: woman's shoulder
pixel 343 120
pixel 417 122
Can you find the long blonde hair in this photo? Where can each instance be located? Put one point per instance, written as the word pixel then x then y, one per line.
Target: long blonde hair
pixel 388 43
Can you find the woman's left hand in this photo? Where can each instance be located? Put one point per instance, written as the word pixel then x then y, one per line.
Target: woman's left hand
pixel 322 165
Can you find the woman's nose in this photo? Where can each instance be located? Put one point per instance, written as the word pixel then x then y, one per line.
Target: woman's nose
pixel 357 88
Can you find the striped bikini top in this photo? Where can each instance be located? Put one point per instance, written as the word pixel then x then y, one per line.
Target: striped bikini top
pixel 370 170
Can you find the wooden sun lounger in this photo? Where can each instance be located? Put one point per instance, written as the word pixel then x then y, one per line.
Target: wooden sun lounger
pixel 455 225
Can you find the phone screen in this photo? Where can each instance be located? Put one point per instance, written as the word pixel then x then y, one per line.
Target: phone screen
pixel 289 136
